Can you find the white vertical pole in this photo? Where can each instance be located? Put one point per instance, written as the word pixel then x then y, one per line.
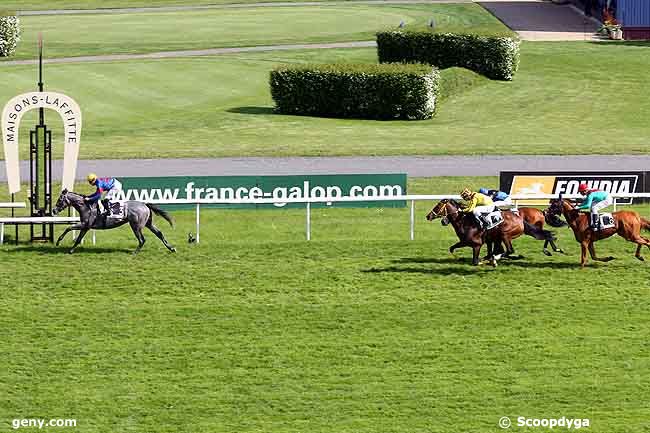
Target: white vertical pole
pixel 614 204
pixel 2 233
pixel 308 221
pixel 94 238
pixel 198 222
pixel 412 219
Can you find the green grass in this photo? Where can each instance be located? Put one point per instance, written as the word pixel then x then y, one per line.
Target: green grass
pixel 169 31
pixel 562 101
pixel 359 330
pixel 455 81
pixel 25 5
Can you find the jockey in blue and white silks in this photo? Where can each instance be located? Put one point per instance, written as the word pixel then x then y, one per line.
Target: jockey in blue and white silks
pixel 501 199
pixel 108 188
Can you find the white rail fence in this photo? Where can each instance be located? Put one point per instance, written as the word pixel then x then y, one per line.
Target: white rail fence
pixel 411 199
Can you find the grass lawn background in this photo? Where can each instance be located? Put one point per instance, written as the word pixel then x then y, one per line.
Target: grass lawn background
pixel 562 101
pixel 25 5
pixel 81 35
pixel 359 330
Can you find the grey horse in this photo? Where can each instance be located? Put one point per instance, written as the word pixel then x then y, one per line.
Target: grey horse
pixel 137 214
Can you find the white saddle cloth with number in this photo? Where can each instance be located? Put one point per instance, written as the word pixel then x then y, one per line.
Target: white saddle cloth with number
pixel 492 219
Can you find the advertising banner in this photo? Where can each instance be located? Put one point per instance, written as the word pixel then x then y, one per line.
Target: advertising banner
pixel 268 187
pixel 521 183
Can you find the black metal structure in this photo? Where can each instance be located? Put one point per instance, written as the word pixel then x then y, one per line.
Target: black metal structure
pixel 40 168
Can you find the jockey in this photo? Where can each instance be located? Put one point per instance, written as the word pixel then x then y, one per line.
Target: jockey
pixel 108 189
pixel 500 198
pixel 595 201
pixel 477 203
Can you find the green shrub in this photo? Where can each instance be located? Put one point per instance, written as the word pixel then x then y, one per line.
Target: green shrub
pixel 9 35
pixel 496 57
pixel 367 91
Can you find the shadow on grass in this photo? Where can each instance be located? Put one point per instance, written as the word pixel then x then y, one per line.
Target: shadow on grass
pixel 463 265
pixel 645 44
pixel 251 110
pixel 63 249
pixel 448 270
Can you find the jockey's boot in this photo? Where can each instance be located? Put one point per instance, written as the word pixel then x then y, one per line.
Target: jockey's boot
pixel 595 222
pixel 479 221
pixel 107 207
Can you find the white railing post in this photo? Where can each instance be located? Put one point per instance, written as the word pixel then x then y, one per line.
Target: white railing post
pixel 94 238
pixel 412 220
pixel 308 221
pixel 614 204
pixel 198 223
pixel 2 233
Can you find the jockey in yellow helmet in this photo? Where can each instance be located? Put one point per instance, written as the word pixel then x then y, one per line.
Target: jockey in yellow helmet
pixel 477 204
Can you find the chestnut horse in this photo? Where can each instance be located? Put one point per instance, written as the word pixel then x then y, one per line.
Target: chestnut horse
pixel 537 218
pixel 627 224
pixel 470 235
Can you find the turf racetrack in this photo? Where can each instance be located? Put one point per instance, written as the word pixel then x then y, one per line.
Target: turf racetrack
pixel 359 330
pixel 212 28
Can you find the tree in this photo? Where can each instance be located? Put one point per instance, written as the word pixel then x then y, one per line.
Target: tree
pixel 9 35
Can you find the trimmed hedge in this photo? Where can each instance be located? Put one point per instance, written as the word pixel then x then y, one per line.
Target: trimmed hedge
pixel 496 57
pixel 367 91
pixel 9 35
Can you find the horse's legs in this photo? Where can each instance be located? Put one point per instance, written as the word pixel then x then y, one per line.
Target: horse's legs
pixel 77 241
pixel 156 231
pixel 510 250
pixel 476 251
pixel 640 242
pixel 592 252
pixel 137 231
pixel 555 247
pixel 68 230
pixel 457 245
pixel 583 255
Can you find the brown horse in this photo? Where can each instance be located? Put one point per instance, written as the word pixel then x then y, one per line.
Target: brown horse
pixel 537 218
pixel 627 224
pixel 470 235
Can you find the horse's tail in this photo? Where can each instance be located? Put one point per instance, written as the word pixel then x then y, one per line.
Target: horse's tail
pixel 539 234
pixel 645 224
pixel 162 213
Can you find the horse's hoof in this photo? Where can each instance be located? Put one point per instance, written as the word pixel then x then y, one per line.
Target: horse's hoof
pixel 172 250
pixel 640 258
pixel 547 253
pixel 70 251
pixel 610 258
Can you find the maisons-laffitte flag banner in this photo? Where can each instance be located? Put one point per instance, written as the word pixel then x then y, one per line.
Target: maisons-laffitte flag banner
pixel 13 112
